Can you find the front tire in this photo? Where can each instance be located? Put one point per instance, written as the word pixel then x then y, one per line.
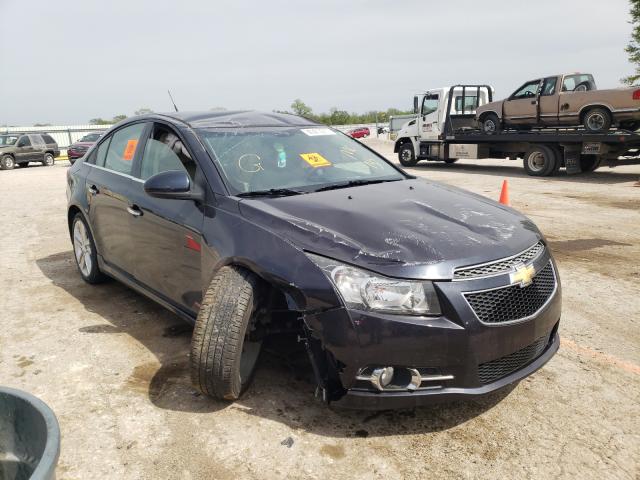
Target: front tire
pixel 7 162
pixel 49 160
pixel 597 120
pixel 223 359
pixel 84 251
pixel 406 155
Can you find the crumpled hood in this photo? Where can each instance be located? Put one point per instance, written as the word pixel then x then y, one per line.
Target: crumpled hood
pixel 410 229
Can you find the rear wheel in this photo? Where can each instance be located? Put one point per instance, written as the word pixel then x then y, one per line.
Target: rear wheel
pixel 223 358
pixel 490 124
pixel 48 160
pixel 84 251
pixel 540 161
pixel 597 120
pixel 406 155
pixel 7 162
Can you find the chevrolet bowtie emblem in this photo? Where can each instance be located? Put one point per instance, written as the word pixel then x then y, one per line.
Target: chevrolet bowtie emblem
pixel 523 275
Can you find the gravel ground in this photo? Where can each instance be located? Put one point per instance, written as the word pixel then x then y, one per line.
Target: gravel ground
pixel 113 365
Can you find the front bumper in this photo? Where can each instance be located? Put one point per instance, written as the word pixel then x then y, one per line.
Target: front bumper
pixel 455 347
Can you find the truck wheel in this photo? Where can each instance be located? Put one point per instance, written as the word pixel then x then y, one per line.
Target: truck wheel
pixel 223 360
pixel 406 155
pixel 7 162
pixel 490 124
pixel 589 163
pixel 597 120
pixel 540 161
pixel 48 160
pixel 84 251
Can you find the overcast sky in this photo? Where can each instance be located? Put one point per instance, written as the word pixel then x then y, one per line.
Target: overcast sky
pixel 65 61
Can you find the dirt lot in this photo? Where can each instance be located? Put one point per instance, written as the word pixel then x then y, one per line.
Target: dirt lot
pixel 113 365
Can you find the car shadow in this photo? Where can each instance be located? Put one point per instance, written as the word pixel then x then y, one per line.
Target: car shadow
pixel 604 175
pixel 283 387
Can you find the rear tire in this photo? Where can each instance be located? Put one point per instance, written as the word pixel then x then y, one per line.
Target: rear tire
pixel 597 120
pixel 406 155
pixel 223 360
pixel 540 161
pixel 84 251
pixel 490 124
pixel 49 160
pixel 7 162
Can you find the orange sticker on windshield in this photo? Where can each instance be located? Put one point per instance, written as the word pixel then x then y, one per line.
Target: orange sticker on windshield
pixel 315 160
pixel 130 149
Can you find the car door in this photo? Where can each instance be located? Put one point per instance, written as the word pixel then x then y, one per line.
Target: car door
pixel 521 107
pixel 549 100
pixel 24 150
pixel 109 188
pixel 167 233
pixel 429 114
pixel 39 147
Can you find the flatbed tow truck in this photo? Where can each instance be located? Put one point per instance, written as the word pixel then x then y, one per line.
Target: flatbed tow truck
pixel 444 129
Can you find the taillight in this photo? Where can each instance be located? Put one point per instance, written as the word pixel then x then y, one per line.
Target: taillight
pixel 636 94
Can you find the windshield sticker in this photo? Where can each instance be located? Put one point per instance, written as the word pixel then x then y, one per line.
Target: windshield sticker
pixel 315 160
pixel 130 149
pixel 316 132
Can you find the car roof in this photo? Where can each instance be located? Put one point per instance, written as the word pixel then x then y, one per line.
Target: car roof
pixel 235 119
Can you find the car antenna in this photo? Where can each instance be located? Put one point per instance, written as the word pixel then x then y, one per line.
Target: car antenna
pixel 174 103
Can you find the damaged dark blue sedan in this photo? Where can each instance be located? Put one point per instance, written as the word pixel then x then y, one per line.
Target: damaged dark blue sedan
pixel 248 225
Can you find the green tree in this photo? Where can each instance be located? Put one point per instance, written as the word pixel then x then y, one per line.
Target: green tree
pixel 300 108
pixel 99 121
pixel 118 118
pixel 143 111
pixel 633 48
pixel 339 117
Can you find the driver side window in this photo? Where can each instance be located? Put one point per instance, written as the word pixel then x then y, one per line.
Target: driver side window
pixel 429 104
pixel 165 151
pixel 528 90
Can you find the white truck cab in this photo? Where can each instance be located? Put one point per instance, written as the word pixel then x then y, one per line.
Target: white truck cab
pixel 438 112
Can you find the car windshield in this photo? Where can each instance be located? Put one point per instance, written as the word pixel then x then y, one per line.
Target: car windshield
pixel 90 137
pixel 304 159
pixel 8 139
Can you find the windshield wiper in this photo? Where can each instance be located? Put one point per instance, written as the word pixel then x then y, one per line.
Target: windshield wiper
pixel 272 192
pixel 353 183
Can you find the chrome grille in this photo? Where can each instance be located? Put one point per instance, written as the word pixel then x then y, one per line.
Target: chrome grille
pixel 499 266
pixel 501 367
pixel 513 303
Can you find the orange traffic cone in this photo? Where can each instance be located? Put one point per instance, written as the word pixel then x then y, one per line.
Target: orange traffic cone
pixel 504 194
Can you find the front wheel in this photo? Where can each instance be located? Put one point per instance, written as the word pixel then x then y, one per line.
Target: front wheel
pixel 223 357
pixel 48 160
pixel 406 155
pixel 597 120
pixel 7 162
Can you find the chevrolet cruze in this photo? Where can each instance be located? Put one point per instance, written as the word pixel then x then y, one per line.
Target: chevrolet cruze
pixel 247 224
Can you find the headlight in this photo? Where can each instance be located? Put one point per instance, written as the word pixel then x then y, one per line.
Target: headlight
pixel 363 290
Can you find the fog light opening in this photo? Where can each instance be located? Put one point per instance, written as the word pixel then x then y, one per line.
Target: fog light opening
pixel 381 377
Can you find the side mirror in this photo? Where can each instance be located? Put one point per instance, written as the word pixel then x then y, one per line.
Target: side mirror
pixel 173 184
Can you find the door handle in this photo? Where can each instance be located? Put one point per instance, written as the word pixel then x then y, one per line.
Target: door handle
pixel 134 210
pixel 93 190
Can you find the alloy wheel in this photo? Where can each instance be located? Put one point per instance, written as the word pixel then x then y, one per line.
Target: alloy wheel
pixel 82 248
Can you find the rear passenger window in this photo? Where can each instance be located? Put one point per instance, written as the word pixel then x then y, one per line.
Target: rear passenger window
pixel 165 151
pixel 36 140
pixel 123 147
pixel 101 153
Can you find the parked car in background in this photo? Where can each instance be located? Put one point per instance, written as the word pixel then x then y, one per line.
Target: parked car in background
pixel 254 225
pixel 359 132
pixel 18 149
pixel 78 149
pixel 563 100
